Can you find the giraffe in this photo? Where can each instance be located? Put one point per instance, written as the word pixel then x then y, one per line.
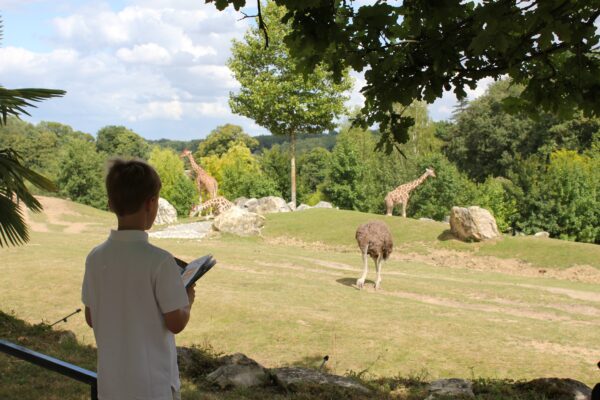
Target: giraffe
pixel 220 204
pixel 402 193
pixel 203 179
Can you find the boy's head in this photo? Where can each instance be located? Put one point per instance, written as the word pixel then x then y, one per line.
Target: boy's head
pixel 132 187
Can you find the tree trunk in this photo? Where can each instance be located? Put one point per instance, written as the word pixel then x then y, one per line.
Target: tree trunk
pixel 293 167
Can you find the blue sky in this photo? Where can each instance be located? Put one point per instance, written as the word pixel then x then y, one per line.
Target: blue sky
pixel 155 66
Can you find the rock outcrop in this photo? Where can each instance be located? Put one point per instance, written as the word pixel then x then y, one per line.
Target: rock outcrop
pixel 167 214
pixel 239 222
pixel 239 371
pixel 473 224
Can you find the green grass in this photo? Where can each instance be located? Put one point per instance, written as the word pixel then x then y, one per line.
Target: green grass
pixel 337 227
pixel 288 299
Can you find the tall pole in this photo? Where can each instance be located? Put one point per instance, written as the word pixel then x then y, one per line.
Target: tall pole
pixel 293 167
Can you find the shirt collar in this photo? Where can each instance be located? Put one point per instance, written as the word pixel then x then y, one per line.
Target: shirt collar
pixel 128 236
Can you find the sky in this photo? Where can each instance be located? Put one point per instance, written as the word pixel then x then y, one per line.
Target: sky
pixel 155 66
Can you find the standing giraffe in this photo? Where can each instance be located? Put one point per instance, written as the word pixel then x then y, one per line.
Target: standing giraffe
pixel 203 179
pixel 402 193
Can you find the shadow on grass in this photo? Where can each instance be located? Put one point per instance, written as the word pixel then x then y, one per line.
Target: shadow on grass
pixel 446 235
pixel 351 282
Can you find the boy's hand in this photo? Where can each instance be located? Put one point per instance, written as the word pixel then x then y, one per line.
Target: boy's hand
pixel 191 292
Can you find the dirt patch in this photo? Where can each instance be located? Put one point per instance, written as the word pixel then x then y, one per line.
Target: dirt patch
pixel 55 211
pixel 485 308
pixel 456 259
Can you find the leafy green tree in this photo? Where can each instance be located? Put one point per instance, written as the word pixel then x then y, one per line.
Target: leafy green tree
pixel 123 142
pixel 313 167
pixel 81 174
pixel 240 175
pixel 421 136
pixel 417 49
pixel 579 133
pixel 494 196
pixel 275 95
pixel 63 132
pixel 488 141
pixel 222 138
pixel 349 176
pixel 561 197
pixel 436 196
pixel 274 163
pixel 177 188
pixel 13 175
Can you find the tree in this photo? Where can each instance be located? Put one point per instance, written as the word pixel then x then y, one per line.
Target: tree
pixel 222 138
pixel 13 174
pixel 275 95
pixel 123 142
pixel 177 188
pixel 239 174
pixel 416 49
pixel 275 163
pixel 312 168
pixel 485 140
pixel 561 197
pixel 81 174
pixel 488 141
pixel 438 195
pixel 349 177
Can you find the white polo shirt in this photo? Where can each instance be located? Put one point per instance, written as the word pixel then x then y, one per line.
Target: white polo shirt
pixel 128 285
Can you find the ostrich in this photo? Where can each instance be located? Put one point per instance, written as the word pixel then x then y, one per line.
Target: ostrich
pixel 374 239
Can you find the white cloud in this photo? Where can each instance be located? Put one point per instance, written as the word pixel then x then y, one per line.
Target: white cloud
pixel 149 53
pixel 148 62
pixel 162 109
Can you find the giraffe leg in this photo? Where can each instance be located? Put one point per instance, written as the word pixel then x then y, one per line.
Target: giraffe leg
pixel 389 205
pixel 379 266
pixel 404 209
pixel 361 281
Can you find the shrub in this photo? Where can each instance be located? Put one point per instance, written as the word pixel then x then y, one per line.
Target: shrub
pixel 436 196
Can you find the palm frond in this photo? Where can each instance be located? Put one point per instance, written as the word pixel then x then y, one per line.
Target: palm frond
pixel 13 190
pixel 14 101
pixel 13 229
pixel 13 175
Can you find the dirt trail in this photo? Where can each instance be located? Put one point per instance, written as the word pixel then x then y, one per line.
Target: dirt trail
pixel 462 260
pixel 55 211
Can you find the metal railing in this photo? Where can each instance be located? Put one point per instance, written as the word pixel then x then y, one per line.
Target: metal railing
pixel 52 364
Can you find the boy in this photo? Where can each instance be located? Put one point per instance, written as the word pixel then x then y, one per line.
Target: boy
pixel 133 294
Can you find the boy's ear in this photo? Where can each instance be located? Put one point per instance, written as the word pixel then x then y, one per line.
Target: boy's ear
pixel 150 201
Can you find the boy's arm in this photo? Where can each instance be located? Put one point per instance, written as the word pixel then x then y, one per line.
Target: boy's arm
pixel 178 319
pixel 88 316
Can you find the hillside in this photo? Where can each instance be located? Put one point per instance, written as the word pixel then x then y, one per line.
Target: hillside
pixel 519 308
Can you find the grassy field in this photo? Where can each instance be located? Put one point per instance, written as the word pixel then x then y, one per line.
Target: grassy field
pixel 518 308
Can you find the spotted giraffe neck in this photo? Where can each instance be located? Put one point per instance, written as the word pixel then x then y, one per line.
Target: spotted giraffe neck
pixel 194 165
pixel 411 185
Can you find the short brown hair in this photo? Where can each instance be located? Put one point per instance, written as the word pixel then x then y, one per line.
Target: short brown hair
pixel 129 183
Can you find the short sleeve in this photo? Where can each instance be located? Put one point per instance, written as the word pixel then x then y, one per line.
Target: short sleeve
pixel 169 290
pixel 87 287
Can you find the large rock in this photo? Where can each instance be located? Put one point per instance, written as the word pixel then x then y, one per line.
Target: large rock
pixel 559 388
pixel 323 204
pixel 240 201
pixel 167 214
pixel 542 234
pixel 239 371
pixel 452 387
pixel 473 224
pixel 272 204
pixel 303 207
pixel 292 379
pixel 249 205
pixel 239 222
